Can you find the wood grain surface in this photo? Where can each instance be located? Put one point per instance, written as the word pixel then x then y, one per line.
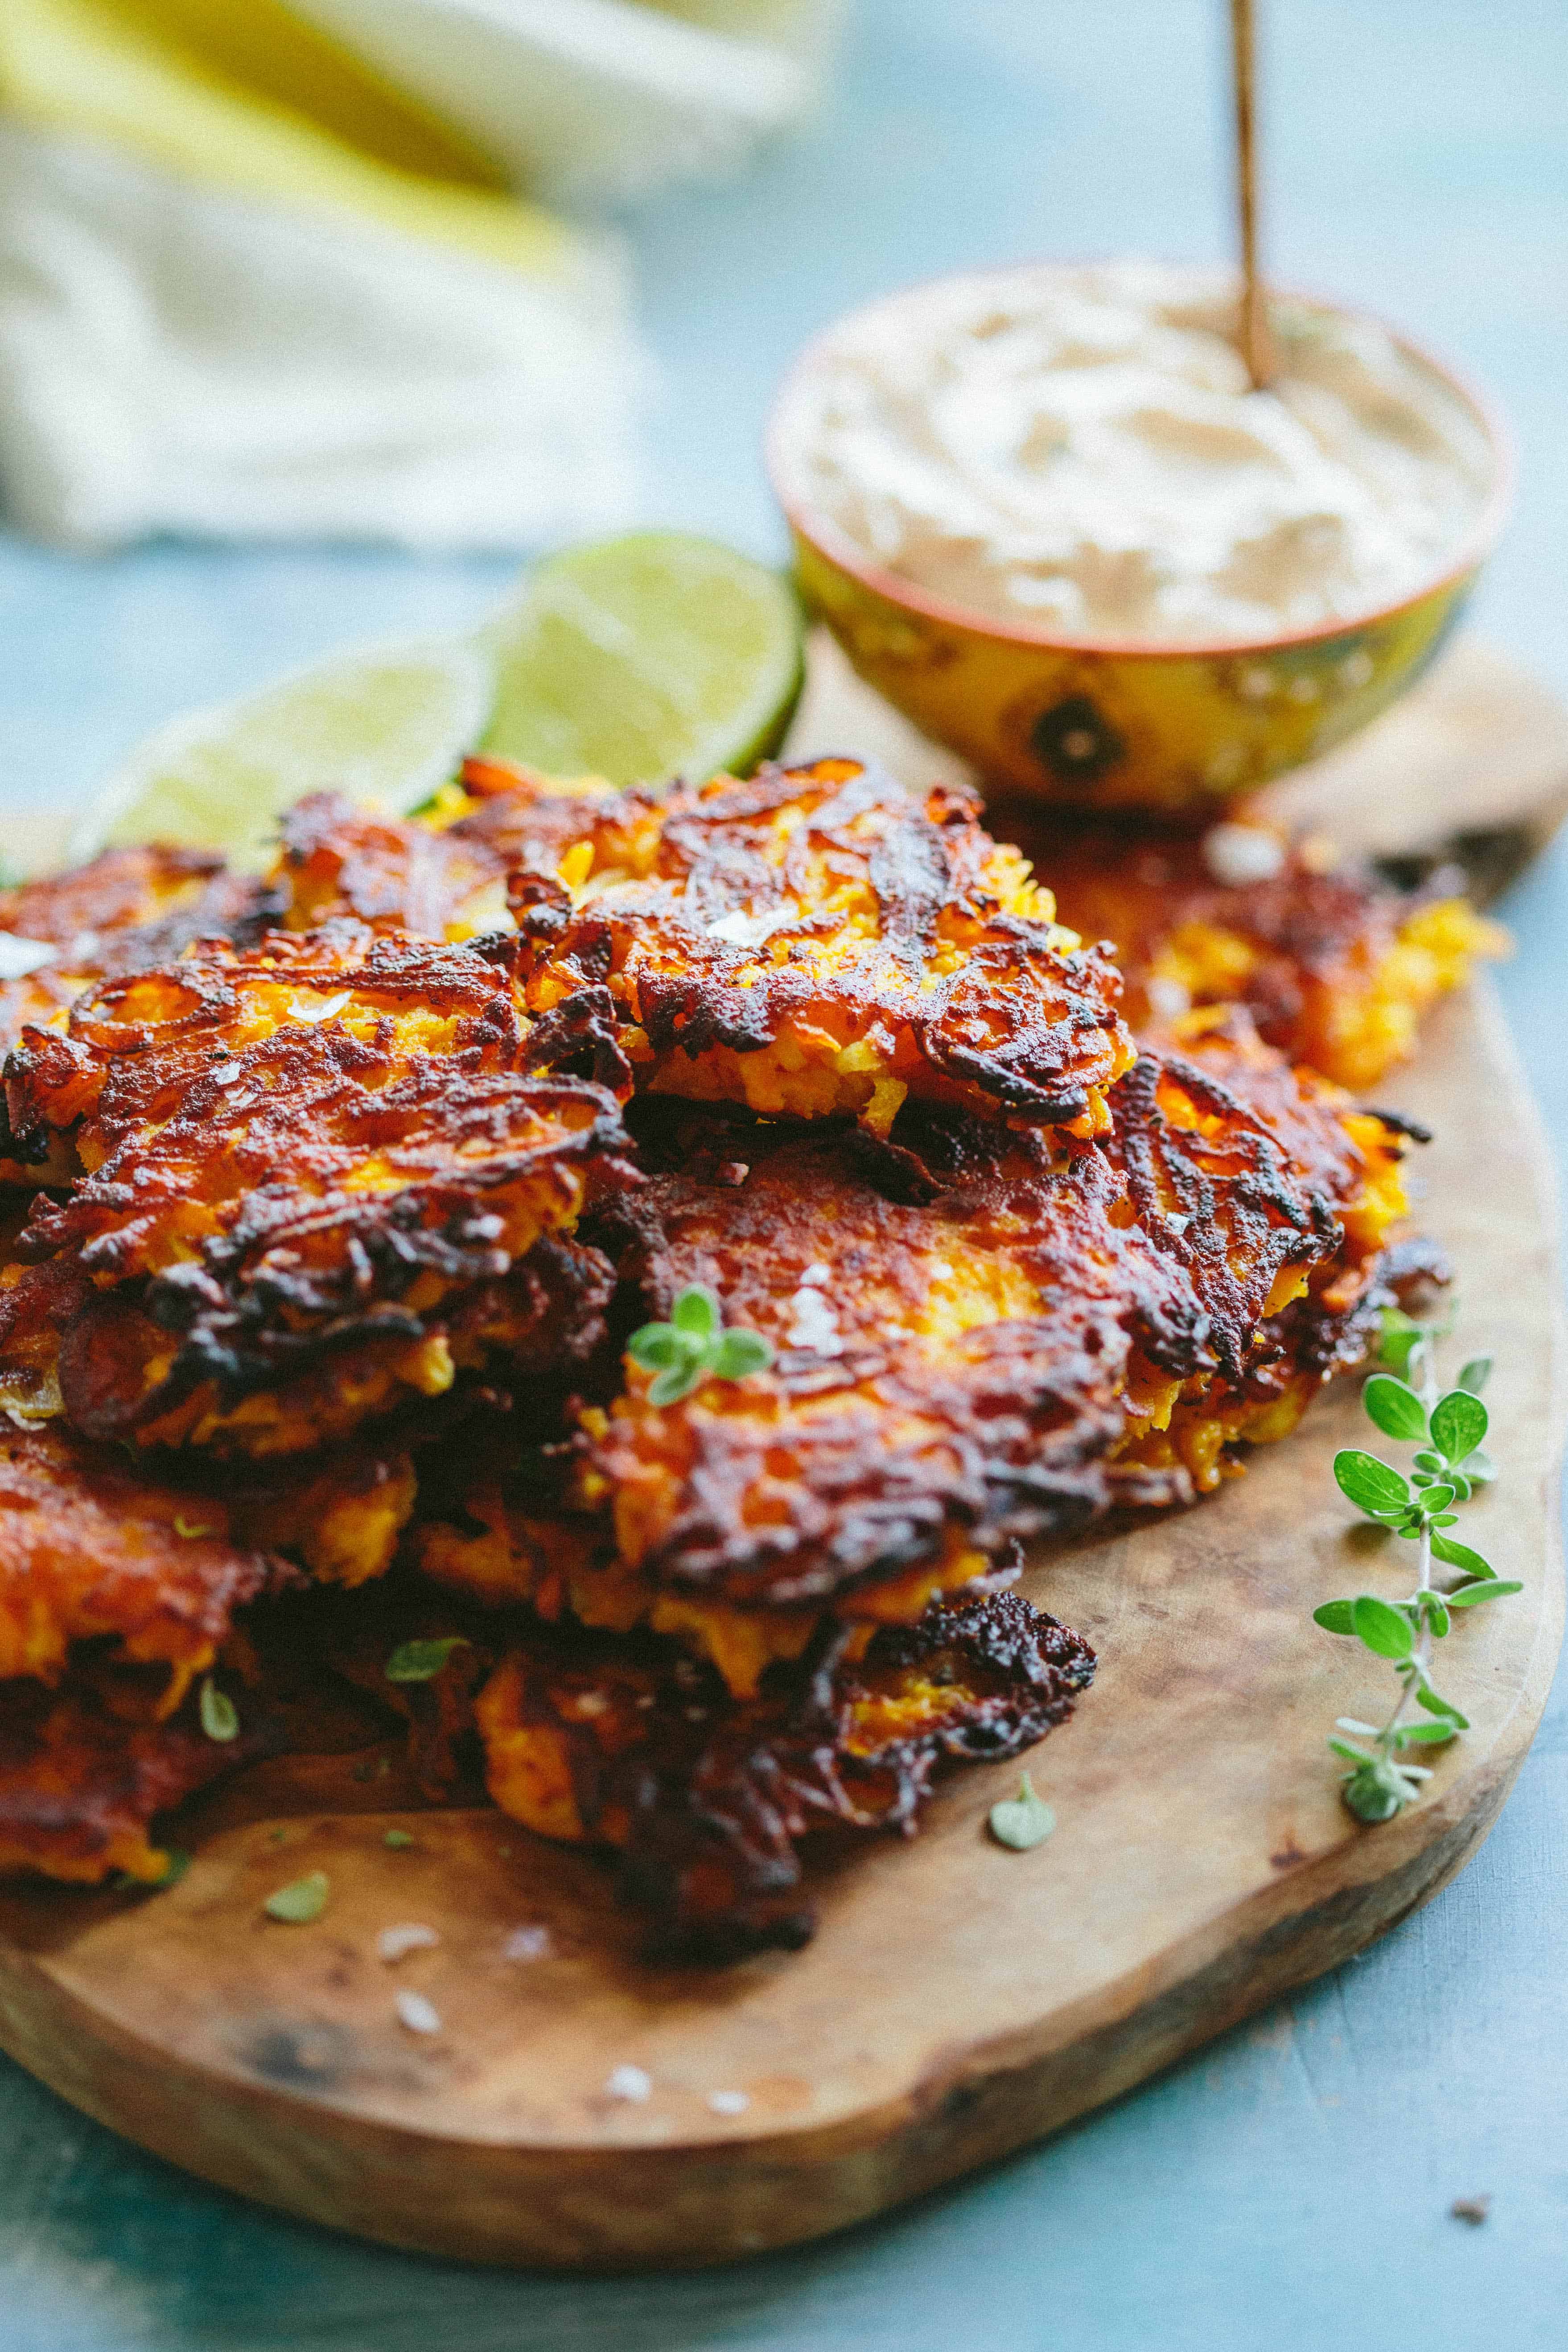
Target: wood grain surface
pixel 959 1999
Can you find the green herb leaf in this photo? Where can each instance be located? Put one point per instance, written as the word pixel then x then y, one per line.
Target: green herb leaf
pixel 1348 1747
pixel 1470 1596
pixel 1437 1498
pixel 1351 1723
pixel 298 1903
pixel 675 1383
pixel 397 1838
pixel 1427 1697
pixel 696 1311
pixel 1400 1338
pixel 1476 1374
pixel 191 1529
pixel 1429 1461
pixel 1336 1616
pixel 1459 1424
pixel 1371 1485
pixel 420 1662
pixel 693 1346
pixel 1375 1791
pixel 740 1353
pixel 1427 1734
pixel 220 1717
pixel 1023 1820
pixel 1458 1555
pixel 1384 1630
pixel 657 1347
pixel 1436 1615
pixel 1479 1467
pixel 1396 1408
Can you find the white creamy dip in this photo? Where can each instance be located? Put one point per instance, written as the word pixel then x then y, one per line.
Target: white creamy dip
pixel 1077 449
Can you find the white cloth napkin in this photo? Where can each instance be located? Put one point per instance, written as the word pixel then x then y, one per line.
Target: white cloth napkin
pixel 218 318
pixel 596 97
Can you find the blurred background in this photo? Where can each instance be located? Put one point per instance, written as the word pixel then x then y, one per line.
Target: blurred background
pixel 719 178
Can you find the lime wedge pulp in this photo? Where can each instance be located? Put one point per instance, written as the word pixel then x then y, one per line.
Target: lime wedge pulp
pixel 652 656
pixel 384 727
pixel 634 658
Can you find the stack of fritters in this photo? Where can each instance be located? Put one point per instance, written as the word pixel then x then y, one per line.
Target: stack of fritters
pixel 350 1215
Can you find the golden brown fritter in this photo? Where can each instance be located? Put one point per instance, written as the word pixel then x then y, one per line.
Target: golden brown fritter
pixel 1337 967
pixel 316 1173
pixel 815 939
pixel 967 1325
pixel 394 874
pixel 709 1801
pixel 123 911
pixel 812 940
pixel 91 1552
pixel 80 1788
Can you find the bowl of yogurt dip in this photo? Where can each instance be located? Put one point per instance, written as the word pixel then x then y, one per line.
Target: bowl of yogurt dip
pixel 1045 514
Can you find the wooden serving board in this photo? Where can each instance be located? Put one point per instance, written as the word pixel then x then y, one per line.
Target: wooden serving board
pixel 959 1999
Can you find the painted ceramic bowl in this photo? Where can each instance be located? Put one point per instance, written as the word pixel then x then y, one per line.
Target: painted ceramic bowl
pixel 1099 723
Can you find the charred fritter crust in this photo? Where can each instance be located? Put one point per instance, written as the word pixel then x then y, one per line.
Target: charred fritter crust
pixel 812 940
pixel 709 1802
pixel 124 910
pixel 394 874
pixel 317 1171
pixel 959 1366
pixel 1336 967
pixel 80 1788
pixel 91 1553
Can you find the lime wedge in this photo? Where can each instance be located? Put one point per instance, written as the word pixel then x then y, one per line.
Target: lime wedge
pixel 384 726
pixel 652 656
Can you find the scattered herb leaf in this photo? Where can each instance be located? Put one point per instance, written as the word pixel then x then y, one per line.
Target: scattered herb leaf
pixel 220 1716
pixel 301 1902
pixel 1023 1820
pixel 420 1662
pixel 397 1838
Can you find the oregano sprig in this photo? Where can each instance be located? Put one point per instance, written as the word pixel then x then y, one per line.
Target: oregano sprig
pixel 694 1346
pixel 1448 1465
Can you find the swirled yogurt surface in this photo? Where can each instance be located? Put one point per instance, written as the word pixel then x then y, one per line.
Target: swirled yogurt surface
pixel 1078 450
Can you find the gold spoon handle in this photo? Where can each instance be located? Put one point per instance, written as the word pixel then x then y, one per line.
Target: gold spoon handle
pixel 1255 347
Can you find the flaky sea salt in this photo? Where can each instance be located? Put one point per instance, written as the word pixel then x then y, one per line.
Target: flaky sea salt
pixel 417 2013
pixel 629 2083
pixel 393 1943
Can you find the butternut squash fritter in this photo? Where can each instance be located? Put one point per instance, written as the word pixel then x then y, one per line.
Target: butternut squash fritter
pixel 709 1800
pixel 1338 968
pixel 314 1172
pixel 969 1327
pixel 122 911
pixel 79 1787
pixel 395 874
pixel 815 939
pixel 90 1552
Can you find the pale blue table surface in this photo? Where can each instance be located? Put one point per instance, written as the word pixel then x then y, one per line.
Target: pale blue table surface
pixel 1292 2184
